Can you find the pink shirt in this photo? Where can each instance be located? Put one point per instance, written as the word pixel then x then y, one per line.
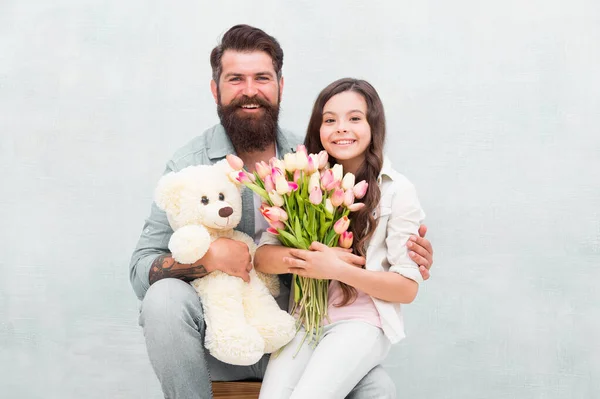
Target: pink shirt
pixel 363 308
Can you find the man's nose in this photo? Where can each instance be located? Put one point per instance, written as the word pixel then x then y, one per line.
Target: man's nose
pixel 250 89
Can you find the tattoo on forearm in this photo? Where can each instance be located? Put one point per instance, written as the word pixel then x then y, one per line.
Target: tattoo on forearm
pixel 166 267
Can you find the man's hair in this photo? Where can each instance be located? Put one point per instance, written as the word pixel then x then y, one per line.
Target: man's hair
pixel 245 38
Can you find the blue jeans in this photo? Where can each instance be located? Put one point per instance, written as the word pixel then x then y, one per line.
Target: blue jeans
pixel 173 323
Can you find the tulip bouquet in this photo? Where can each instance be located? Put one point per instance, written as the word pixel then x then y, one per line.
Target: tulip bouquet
pixel 305 200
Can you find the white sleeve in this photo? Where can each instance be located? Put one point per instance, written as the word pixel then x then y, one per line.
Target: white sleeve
pixel 405 218
pixel 268 239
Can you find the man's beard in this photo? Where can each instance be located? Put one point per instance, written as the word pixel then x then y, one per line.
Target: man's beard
pixel 249 132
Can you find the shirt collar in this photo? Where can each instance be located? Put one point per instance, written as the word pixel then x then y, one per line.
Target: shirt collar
pixel 220 144
pixel 386 170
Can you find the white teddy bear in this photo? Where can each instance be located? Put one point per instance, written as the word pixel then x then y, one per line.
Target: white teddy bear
pixel 243 321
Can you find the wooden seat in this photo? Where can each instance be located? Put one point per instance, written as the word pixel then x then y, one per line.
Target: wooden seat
pixel 236 390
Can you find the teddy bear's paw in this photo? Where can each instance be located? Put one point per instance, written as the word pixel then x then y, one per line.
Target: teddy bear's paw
pixel 189 243
pixel 238 345
pixel 277 329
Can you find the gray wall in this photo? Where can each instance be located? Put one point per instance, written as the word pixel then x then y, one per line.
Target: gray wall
pixel 493 112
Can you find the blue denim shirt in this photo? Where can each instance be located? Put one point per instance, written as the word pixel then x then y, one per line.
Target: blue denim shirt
pixel 210 147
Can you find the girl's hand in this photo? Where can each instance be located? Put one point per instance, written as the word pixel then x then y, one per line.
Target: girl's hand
pixel 321 261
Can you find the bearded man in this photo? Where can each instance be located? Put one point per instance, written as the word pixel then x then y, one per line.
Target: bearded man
pixel 247 85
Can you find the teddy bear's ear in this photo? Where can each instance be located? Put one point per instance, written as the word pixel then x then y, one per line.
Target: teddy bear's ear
pixel 168 192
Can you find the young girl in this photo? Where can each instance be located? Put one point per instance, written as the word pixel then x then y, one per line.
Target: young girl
pixel 368 285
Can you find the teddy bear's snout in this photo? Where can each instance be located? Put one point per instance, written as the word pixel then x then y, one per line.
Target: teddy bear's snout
pixel 225 212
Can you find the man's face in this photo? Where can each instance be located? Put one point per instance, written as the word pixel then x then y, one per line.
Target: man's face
pixel 247 98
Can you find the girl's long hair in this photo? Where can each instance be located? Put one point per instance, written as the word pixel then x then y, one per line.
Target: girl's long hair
pixel 363 223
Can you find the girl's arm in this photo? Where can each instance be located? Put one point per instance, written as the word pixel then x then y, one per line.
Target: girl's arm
pixel 269 258
pixel 391 287
pixel 323 262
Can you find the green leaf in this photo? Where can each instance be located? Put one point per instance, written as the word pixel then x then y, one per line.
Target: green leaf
pixel 260 191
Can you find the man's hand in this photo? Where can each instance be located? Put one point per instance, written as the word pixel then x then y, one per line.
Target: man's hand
pixel 229 256
pixel 421 251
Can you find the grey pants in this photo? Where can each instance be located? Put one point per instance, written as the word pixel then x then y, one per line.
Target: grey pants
pixel 173 323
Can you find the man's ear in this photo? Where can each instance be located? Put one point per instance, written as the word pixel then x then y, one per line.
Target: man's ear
pixel 281 88
pixel 214 90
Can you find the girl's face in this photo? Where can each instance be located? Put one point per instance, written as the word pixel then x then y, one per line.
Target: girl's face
pixel 345 132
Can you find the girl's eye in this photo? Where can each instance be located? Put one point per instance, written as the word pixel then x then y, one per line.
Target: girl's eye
pixel 329 120
pixel 204 200
pixel 355 118
pixel 221 197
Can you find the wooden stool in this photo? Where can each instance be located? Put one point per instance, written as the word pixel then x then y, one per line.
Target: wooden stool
pixel 235 390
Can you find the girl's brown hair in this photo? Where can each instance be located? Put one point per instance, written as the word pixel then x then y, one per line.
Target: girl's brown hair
pixel 363 222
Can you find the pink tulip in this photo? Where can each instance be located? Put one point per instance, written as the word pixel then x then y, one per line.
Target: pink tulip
pixel 328 182
pixel 289 160
pixel 360 189
pixel 314 181
pixel 269 183
pixel 275 198
pixel 297 175
pixel 301 148
pixel 348 181
pixel 356 206
pixel 328 206
pixel 243 177
pixel 316 196
pixel 337 198
pixel 323 156
pixel 235 162
pixel 301 160
pixel 292 186
pixel 273 214
pixel 262 169
pixel 341 225
pixel 276 163
pixel 281 185
pixel 346 239
pixel 348 198
pixel 313 164
pixel 273 231
pixel 338 172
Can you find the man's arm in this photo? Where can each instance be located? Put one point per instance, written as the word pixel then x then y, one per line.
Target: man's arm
pixel 229 256
pixel 164 266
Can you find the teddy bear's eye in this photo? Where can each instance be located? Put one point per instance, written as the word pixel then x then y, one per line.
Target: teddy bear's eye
pixel 204 200
pixel 221 197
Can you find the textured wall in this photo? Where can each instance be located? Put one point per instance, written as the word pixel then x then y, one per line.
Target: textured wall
pixel 493 113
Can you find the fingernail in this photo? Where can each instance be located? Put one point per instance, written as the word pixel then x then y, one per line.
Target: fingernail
pixel 411 254
pixel 410 244
pixel 413 238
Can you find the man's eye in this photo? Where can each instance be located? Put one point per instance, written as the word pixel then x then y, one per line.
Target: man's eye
pixel 263 78
pixel 236 79
pixel 204 200
pixel 221 197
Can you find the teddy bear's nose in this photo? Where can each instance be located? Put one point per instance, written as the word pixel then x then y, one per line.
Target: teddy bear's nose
pixel 225 212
